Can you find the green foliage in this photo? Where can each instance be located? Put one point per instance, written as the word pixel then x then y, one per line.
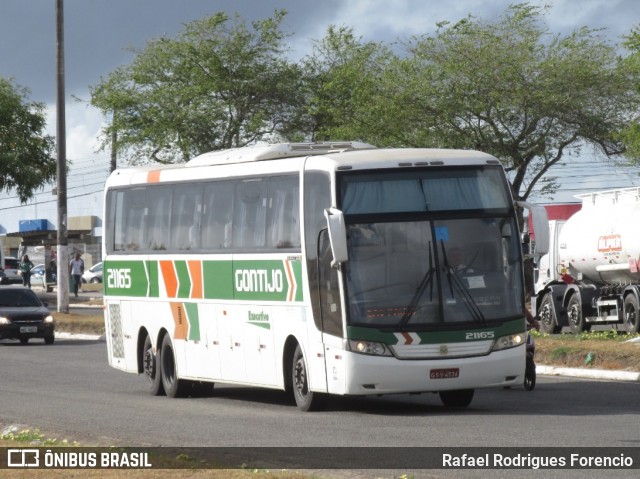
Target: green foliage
pixel 512 89
pixel 507 86
pixel 26 161
pixel 608 335
pixel 342 77
pixel 34 436
pixel 218 85
pixel 560 353
pixel 631 133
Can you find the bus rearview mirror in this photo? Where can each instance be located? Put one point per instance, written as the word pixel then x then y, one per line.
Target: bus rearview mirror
pixel 337 236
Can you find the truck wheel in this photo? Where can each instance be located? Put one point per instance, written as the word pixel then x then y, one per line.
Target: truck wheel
pixel 631 313
pixel 548 320
pixel 576 319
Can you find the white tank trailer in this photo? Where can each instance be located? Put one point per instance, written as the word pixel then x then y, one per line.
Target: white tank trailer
pixel 591 274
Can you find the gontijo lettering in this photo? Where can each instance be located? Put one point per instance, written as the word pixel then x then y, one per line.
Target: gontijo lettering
pixel 259 280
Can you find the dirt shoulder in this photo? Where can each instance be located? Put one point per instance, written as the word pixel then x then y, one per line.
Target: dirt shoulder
pixel 589 350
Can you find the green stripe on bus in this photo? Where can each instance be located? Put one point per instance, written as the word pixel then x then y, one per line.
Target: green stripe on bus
pixel 218 282
pixel 184 281
pixel 152 269
pixel 246 280
pixel 436 337
pixel 194 321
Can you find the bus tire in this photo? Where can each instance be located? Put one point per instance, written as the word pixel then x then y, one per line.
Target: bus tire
pixel 305 399
pixel 173 387
pixel 459 398
pixel 150 368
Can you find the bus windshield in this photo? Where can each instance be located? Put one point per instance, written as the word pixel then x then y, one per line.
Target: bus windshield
pixel 409 267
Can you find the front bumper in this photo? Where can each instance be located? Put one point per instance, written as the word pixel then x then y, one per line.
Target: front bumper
pixel 26 330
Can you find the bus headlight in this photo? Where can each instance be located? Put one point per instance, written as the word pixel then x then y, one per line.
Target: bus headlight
pixel 510 341
pixel 369 347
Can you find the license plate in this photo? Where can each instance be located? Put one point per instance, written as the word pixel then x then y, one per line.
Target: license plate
pixel 29 329
pixel 449 373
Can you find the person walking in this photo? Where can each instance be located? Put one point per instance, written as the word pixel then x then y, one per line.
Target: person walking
pixel 25 271
pixel 76 268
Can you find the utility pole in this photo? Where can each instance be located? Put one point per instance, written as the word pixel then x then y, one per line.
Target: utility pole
pixel 61 171
pixel 114 141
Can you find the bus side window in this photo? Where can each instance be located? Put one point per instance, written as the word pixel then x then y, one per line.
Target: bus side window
pixel 115 202
pixel 283 227
pixel 185 224
pixel 157 237
pixel 217 214
pixel 135 216
pixel 250 211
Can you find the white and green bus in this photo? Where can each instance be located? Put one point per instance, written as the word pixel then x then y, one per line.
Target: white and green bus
pixel 317 268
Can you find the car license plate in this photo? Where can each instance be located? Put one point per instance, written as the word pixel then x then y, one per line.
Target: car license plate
pixel 449 373
pixel 29 329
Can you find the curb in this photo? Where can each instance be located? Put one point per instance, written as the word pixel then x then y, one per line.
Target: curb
pixel 588 373
pixel 84 337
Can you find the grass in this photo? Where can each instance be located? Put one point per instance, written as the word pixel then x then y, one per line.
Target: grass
pixel 597 350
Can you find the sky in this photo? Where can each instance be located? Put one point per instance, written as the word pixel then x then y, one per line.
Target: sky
pixel 99 34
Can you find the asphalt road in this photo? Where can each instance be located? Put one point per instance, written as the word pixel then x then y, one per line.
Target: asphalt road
pixel 69 390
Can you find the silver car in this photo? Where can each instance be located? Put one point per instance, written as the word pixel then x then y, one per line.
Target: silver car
pixel 93 275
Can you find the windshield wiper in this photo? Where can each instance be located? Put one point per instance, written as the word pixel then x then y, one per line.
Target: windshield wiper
pixel 454 280
pixel 426 281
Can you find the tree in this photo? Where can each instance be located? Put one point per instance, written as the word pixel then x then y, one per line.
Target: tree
pixel 26 161
pixel 218 85
pixel 512 89
pixel 341 76
pixel 631 134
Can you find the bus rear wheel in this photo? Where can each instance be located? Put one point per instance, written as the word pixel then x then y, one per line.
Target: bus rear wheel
pixel 150 368
pixel 305 399
pixel 173 387
pixel 460 398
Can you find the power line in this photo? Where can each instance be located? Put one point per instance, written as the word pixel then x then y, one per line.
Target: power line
pixel 50 201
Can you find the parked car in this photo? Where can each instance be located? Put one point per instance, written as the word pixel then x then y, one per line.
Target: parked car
pixel 93 274
pixel 38 271
pixel 23 316
pixel 11 270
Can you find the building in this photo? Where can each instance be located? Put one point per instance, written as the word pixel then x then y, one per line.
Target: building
pixel 31 228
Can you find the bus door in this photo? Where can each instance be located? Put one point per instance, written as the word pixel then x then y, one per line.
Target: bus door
pixel 331 317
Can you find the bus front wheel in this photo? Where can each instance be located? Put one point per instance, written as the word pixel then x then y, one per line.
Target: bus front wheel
pixel 150 368
pixel 305 399
pixel 461 398
pixel 173 387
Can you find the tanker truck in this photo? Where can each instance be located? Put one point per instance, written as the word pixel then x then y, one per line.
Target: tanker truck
pixel 591 274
